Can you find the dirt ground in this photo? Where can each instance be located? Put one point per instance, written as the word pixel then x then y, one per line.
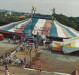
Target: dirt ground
pixel 21 55
pixel 6 47
pixel 45 60
pixel 17 69
pixel 21 71
pixel 56 62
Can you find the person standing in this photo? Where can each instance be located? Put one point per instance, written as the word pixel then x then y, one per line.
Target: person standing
pixel 13 74
pixel 24 60
pixel 6 72
pixel 9 40
pixel 21 62
pixel 6 67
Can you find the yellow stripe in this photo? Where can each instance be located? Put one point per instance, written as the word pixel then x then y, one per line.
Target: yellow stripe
pixel 70 46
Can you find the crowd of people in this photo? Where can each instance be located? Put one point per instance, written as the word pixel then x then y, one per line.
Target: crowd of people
pixel 19 62
pixel 7 59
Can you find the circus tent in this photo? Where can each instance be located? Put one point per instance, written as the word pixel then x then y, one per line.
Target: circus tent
pixel 41 27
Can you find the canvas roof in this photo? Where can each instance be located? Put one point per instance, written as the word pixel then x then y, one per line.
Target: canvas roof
pixel 41 27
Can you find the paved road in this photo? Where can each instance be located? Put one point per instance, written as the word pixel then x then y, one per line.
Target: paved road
pixel 58 62
pixel 6 47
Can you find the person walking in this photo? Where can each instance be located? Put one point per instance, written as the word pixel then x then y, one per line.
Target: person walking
pixel 9 40
pixel 13 74
pixel 24 60
pixel 21 62
pixel 6 72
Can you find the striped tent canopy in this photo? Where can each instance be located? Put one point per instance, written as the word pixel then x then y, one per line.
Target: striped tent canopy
pixel 63 31
pixel 70 45
pixel 38 26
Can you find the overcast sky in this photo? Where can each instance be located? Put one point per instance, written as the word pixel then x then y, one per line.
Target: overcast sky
pixel 66 7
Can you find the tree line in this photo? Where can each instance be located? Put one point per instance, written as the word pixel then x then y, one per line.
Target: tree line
pixel 68 21
pixel 14 17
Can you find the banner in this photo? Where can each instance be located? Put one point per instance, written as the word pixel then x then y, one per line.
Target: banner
pixel 33 8
pixel 53 10
pixel 26 52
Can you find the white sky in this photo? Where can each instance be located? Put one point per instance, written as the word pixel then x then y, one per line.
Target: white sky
pixel 66 7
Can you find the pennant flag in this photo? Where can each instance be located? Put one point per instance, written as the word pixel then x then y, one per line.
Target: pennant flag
pixel 35 8
pixel 48 34
pixel 32 8
pixel 54 10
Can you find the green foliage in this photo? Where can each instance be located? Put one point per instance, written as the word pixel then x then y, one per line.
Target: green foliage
pixel 68 21
pixel 10 18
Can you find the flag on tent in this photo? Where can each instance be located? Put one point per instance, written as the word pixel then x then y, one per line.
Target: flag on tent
pixel 53 10
pixel 48 33
pixel 35 9
pixel 32 8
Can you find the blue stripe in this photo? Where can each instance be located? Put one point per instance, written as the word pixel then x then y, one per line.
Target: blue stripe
pixel 28 27
pixel 68 44
pixel 68 30
pixel 53 31
pixel 6 29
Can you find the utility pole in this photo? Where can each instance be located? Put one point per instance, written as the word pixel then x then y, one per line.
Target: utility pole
pixel 30 55
pixel 33 10
pixel 53 14
pixel 32 13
